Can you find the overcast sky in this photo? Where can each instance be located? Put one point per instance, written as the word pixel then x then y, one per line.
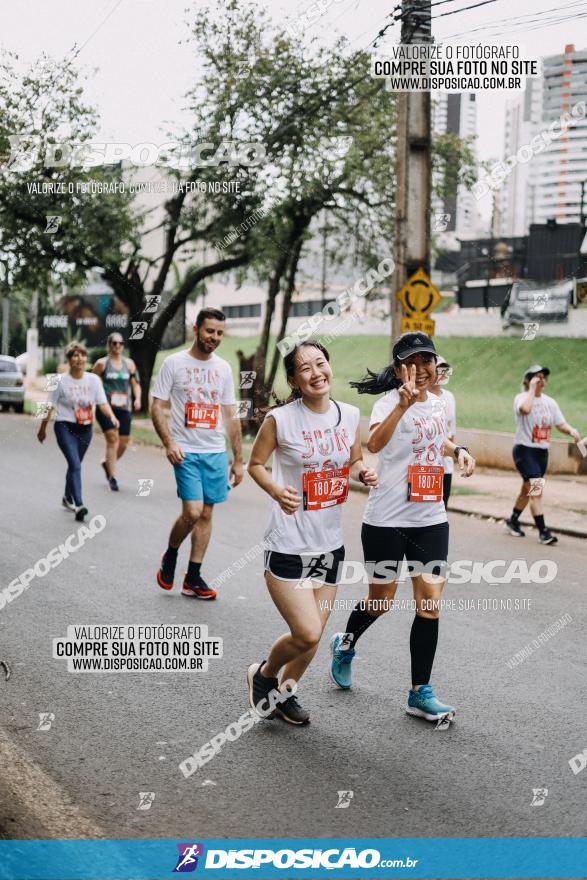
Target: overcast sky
pixel 143 71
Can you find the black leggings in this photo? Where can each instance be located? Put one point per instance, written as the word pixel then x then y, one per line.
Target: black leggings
pixel 446 484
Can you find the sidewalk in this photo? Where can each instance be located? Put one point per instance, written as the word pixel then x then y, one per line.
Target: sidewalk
pixel 565 499
pixel 489 493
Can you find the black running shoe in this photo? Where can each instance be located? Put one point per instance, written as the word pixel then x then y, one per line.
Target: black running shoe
pixel 259 688
pixel 546 537
pixel 514 529
pixel 68 503
pixel 291 711
pixel 80 512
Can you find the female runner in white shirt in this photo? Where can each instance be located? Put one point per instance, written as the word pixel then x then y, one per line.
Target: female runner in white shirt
pixel 316 446
pixel 405 516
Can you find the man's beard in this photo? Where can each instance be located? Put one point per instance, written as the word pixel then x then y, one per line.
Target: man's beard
pixel 201 345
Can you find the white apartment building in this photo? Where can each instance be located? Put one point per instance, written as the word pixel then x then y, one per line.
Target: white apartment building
pixel 514 202
pixel 456 114
pixel 549 185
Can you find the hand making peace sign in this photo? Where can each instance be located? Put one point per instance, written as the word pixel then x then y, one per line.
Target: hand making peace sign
pixel 408 393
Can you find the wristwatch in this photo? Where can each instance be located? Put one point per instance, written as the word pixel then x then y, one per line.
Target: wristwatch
pixel 457 450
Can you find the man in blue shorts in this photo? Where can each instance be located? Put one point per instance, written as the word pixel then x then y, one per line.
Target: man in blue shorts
pixel 200 389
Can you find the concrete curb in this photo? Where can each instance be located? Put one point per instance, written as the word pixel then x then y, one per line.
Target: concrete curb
pixel 573 533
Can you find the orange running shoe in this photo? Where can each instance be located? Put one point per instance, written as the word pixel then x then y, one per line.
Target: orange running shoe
pixel 200 591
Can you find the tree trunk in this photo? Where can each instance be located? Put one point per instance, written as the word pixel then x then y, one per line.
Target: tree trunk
pixel 246 363
pixel 260 357
pixel 143 352
pixel 286 307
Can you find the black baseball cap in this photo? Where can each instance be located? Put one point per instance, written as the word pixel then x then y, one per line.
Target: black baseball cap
pixel 536 368
pixel 412 343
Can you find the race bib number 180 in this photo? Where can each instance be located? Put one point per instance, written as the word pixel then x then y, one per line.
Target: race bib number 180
pixel 425 482
pixel 201 415
pixel 325 488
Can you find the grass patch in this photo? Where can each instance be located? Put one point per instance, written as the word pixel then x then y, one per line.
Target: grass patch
pixel 487 373
pixel 462 490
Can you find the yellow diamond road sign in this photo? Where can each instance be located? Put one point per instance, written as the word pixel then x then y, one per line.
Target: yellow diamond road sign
pixel 418 296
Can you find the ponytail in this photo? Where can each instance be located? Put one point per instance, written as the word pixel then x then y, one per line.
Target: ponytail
pixel 378 383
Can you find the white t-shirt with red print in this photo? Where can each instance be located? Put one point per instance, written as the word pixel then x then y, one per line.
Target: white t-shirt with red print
pixel 196 389
pixel 418 439
pixel 534 429
pixel 74 399
pixel 313 455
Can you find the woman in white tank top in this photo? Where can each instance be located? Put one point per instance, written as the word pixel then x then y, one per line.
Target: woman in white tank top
pixel 316 446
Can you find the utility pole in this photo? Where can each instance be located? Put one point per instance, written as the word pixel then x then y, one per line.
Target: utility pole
pixel 412 235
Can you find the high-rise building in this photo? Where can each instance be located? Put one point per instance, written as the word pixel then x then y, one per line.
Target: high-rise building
pixel 514 201
pixel 455 114
pixel 548 185
pixel 560 169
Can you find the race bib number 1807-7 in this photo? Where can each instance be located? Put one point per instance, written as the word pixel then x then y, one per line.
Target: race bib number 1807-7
pixel 425 482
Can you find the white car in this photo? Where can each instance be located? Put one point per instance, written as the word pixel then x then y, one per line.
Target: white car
pixel 11 384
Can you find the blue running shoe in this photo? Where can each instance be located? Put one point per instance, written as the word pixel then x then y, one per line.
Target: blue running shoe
pixel 424 704
pixel 340 667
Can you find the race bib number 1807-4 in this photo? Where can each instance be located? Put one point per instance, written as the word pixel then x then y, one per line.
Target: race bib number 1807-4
pixel 201 415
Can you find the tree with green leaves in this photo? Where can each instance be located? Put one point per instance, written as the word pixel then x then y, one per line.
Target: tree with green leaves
pixel 324 126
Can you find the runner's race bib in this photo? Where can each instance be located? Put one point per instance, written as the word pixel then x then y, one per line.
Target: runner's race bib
pixel 540 433
pixel 201 415
pixel 425 482
pixel 84 415
pixel 325 488
pixel 119 399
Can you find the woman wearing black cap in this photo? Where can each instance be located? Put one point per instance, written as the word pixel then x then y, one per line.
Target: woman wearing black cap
pixel 405 516
pixel 535 414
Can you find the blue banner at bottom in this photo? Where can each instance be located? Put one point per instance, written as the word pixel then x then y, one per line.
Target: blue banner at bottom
pixel 381 858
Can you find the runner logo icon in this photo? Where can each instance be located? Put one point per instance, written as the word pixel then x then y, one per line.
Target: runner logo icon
pixel 146 799
pixel 45 720
pixel 316 567
pixel 187 860
pixel 539 796
pixel 344 799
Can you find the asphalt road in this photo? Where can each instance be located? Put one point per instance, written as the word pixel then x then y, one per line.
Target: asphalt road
pixel 115 735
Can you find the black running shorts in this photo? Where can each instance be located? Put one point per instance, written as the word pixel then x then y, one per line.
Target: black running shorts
pixel 123 416
pixel 325 568
pixel 530 462
pixel 385 547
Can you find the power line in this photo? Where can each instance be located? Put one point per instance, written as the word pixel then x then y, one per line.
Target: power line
pixel 464 9
pixel 528 18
